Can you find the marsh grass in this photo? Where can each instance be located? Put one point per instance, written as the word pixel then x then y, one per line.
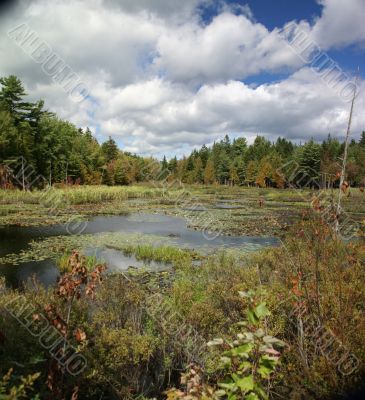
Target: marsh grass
pixel 163 254
pixel 63 262
pixel 76 195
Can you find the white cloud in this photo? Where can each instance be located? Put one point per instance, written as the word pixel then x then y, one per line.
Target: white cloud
pixel 163 81
pixel 299 107
pixel 341 23
pixel 230 47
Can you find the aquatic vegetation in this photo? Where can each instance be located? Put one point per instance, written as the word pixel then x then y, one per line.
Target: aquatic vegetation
pixel 76 195
pixel 63 263
pixel 164 254
pixel 56 246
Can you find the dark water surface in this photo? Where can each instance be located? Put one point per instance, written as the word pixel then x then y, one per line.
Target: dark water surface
pixel 15 239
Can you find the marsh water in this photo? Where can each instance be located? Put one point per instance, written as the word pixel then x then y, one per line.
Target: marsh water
pixel 15 239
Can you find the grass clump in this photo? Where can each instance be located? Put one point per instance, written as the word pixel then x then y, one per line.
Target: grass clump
pixel 163 254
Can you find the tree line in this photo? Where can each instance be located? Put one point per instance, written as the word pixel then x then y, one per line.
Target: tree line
pixel 63 153
pixel 272 164
pixel 56 149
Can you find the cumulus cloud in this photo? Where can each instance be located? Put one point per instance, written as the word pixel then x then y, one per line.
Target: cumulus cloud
pixel 230 47
pixel 162 80
pixel 341 23
pixel 172 8
pixel 173 117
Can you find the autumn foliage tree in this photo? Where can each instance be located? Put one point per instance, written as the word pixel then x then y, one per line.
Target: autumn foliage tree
pixel 209 173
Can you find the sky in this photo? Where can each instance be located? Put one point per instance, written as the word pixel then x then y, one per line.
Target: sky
pixel 163 77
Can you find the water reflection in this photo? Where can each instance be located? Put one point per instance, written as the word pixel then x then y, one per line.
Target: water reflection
pixel 174 229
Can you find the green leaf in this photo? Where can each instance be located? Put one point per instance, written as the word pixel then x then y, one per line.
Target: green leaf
pixel 242 350
pixel 229 386
pixel 251 316
pixel 273 340
pixel 264 372
pixel 262 311
pixel 246 384
pixel 266 366
pixel 245 366
pixel 260 391
pixel 252 396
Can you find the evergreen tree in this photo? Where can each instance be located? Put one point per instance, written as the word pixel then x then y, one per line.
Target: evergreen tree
pixel 110 150
pixel 226 144
pixel 233 174
pixel 120 176
pixel 241 168
pixel 108 176
pixel 173 165
pixel 260 148
pixel 284 147
pixel 239 147
pixel 251 172
pixel 222 168
pixel 164 164
pixel 310 163
pixel 8 136
pixel 204 154
pixel 12 98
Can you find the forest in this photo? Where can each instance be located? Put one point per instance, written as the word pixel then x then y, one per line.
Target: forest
pixel 62 153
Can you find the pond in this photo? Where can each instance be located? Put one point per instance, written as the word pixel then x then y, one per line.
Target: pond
pixel 170 230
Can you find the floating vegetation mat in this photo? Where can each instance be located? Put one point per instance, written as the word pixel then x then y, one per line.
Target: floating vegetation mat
pixel 166 248
pixel 54 246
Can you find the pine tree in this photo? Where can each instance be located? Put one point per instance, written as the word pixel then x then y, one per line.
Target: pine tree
pixel 12 98
pixel 173 165
pixel 8 136
pixel 239 147
pixel 222 168
pixel 198 171
pixel 110 150
pixel 164 169
pixel 284 147
pixel 233 174
pixel 204 154
pixel 120 177
pixel 310 163
pixel 108 176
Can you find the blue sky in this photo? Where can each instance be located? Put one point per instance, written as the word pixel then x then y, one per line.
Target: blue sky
pixel 272 13
pixel 276 13
pixel 166 76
